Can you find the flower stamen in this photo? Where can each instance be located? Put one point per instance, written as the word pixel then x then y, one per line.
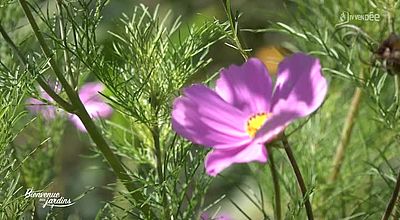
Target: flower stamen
pixel 255 122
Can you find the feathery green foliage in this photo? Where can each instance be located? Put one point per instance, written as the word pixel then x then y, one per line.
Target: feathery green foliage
pixel 144 60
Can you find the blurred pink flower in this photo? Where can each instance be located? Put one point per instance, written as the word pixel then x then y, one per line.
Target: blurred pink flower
pixel 36 106
pixel 89 95
pixel 245 111
pixel 206 216
pixel 95 106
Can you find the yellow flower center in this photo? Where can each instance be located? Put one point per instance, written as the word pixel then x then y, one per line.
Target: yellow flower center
pixel 255 122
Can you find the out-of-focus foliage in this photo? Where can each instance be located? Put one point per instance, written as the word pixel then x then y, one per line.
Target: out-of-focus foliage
pixel 346 50
pixel 12 92
pixel 144 59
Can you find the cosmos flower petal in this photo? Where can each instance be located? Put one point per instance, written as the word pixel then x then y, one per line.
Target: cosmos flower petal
pixel 93 103
pixel 98 109
pixel 38 107
pixel 274 126
pixel 222 216
pixel 90 97
pixel 247 87
pixel 219 159
pixel 95 110
pixel 300 86
pixel 90 91
pixel 201 116
pixel 77 122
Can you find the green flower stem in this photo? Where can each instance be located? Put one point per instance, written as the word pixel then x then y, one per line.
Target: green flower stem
pixel 46 50
pixel 396 214
pixel 155 132
pixel 64 104
pixel 67 59
pixel 346 134
pixel 390 15
pixel 157 149
pixel 299 177
pixel 114 162
pixel 81 112
pixel 392 201
pixel 161 175
pixel 275 180
pixel 397 93
pixel 234 28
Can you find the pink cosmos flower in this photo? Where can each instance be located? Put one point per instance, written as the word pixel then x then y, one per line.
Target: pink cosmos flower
pixel 206 216
pixel 245 111
pixel 89 95
pixel 45 109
